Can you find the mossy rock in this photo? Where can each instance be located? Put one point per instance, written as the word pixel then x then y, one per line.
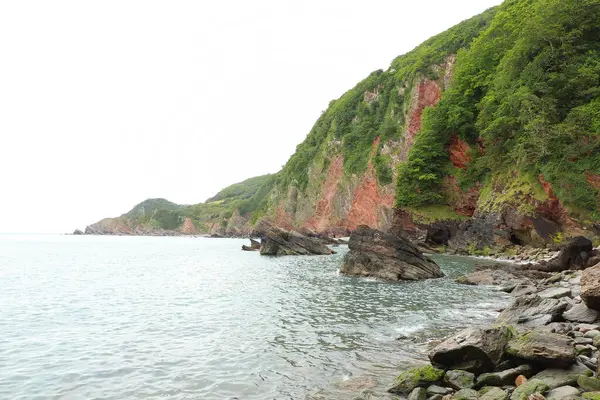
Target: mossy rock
pixel 591 395
pixel 416 377
pixel 459 379
pixel 529 388
pixel 466 394
pixel 492 393
pixel 589 384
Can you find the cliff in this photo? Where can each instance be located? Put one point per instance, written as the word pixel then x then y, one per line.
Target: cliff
pixel 485 135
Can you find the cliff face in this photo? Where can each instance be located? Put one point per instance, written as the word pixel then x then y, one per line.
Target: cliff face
pixel 485 135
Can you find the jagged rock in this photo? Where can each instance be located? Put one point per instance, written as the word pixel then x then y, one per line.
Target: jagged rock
pixel 475 350
pixel 532 311
pixel 555 377
pixel 77 232
pixel 531 387
pixel 418 394
pixel 279 242
pixel 423 376
pixel 588 383
pixel 563 393
pixel 573 256
pixel 506 377
pixel 544 348
pixel 458 379
pixel 590 287
pixel 387 256
pixel 465 394
pixel 581 313
pixel 254 246
pixel 494 394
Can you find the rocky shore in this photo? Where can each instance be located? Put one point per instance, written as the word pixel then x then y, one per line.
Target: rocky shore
pixel 544 345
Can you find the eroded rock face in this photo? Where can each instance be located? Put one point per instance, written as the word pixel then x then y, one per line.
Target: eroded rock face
pixel 386 256
pixel 590 287
pixel 475 350
pixel 279 242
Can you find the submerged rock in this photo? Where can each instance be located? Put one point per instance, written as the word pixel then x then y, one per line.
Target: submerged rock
pixel 386 256
pixel 279 242
pixel 423 376
pixel 475 350
pixel 550 349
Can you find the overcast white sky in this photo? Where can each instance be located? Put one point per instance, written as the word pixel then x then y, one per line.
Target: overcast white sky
pixel 106 103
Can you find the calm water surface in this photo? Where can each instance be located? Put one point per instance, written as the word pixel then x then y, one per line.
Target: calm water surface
pixel 85 317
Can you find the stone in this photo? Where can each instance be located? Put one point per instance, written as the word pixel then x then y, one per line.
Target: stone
pixel 555 377
pixel 588 383
pixel 591 333
pixel 489 276
pixel 559 327
pixel 77 232
pixel 563 393
pixel 254 246
pixel 418 393
pixel 591 395
pixel 554 293
pixel 494 394
pixel 521 380
pixel 423 376
pixel 387 256
pixel 524 290
pixel 584 328
pixel 590 287
pixel 583 340
pixel 532 311
pixel 581 313
pixel 465 394
pixel 475 350
pixel 573 256
pixel 529 388
pixel 506 377
pixel 550 349
pixel 458 379
pixel 435 389
pixel 276 241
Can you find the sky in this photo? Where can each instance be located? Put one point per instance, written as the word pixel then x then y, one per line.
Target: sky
pixel 106 103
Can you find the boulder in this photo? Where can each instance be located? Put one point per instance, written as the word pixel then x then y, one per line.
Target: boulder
pixel 458 379
pixel 506 377
pixel 573 256
pixel 279 242
pixel 418 393
pixel 554 293
pixel 494 393
pixel 588 383
pixel 497 277
pixel 563 393
pixel 527 389
pixel 475 350
pixel 549 349
pixel 581 313
pixel 591 395
pixel 77 232
pixel 556 377
pixel 590 287
pixel 533 311
pixel 423 376
pixel 254 246
pixel 435 389
pixel 466 394
pixel 386 256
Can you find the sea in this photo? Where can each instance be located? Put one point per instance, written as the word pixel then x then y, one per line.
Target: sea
pixel 117 317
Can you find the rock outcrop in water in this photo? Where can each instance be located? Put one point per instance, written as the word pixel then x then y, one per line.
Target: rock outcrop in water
pixel 280 242
pixel 386 256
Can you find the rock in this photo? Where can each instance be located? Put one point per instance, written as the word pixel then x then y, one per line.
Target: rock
pixel 583 340
pixel 529 388
pixel 561 377
pixel 559 327
pixel 524 290
pixel 435 389
pixel 465 394
pixel 532 311
pixel 563 393
pixel 494 394
pixel 490 276
pixel 506 377
pixel 588 383
pixel 581 313
pixel 386 256
pixel 418 393
pixel 591 395
pixel 254 246
pixel 475 350
pixel 458 379
pixel 550 349
pixel 536 396
pixel 554 293
pixel 423 376
pixel 591 333
pixel 573 256
pixel 279 242
pixel 584 328
pixel 77 232
pixel 590 287
pixel 521 380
